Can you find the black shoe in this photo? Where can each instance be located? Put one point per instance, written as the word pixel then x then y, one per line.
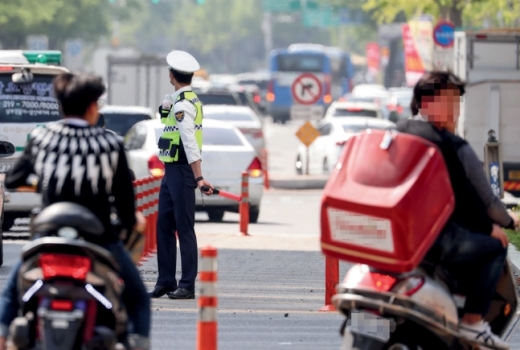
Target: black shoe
pixel 158 292
pixel 181 293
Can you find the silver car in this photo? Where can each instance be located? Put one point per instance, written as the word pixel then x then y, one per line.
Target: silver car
pixel 244 118
pixel 226 154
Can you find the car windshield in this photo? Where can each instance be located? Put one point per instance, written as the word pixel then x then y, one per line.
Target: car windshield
pixel 120 123
pixel 300 63
pixel 243 98
pixel 217 99
pixel 354 112
pixel 262 84
pixel 362 99
pixel 404 100
pixel 28 103
pixel 355 128
pixel 213 136
pixel 230 116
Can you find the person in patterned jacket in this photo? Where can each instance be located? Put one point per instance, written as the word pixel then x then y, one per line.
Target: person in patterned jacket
pixel 76 161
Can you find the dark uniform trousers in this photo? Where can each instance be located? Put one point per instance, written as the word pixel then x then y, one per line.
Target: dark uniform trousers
pixel 177 213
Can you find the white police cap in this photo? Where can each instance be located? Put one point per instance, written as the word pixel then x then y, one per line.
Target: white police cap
pixel 182 62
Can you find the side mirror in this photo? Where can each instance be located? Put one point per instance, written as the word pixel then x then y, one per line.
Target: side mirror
pixel 393 117
pixel 24 77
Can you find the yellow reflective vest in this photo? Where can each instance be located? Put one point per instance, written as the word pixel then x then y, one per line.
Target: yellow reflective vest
pixel 170 144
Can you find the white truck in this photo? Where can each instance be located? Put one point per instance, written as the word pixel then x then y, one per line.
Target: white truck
pixel 489 62
pixel 26 102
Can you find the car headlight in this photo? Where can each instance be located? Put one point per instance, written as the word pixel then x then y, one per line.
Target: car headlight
pixel 5 167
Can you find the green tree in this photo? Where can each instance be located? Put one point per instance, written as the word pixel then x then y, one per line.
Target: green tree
pixel 460 12
pixel 58 19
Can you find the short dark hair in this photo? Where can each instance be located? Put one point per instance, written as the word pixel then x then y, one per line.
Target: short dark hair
pixel 183 78
pixel 75 92
pixel 432 82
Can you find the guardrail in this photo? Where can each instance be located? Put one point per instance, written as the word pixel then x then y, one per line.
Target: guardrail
pixel 147 202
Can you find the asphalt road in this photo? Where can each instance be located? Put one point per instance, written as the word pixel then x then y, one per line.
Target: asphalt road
pixel 271 284
pixel 282 146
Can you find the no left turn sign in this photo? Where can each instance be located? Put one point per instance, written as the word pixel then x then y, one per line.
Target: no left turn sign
pixel 307 89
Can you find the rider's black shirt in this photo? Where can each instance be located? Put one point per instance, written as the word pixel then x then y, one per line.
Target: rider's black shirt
pixel 80 164
pixel 470 211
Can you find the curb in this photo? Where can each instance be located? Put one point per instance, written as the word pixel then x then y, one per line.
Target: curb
pixel 299 182
pixel 514 258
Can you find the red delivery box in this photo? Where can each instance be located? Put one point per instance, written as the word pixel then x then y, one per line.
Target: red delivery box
pixel 386 201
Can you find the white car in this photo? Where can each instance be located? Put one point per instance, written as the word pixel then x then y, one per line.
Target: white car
pixel 226 154
pixel 244 118
pixel 369 90
pixel 399 102
pixel 324 152
pixel 353 109
pixel 120 119
pixel 377 92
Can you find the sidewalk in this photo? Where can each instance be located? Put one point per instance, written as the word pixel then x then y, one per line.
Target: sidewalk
pixel 301 182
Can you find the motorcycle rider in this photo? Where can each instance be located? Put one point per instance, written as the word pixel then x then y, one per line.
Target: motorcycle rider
pixel 473 245
pixel 77 161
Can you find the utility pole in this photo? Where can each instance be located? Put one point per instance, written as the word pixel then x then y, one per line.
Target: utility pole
pixel 268 34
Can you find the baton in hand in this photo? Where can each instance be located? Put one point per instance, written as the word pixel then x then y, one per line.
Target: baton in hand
pixel 224 194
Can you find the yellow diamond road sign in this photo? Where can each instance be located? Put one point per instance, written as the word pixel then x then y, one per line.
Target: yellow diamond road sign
pixel 307 134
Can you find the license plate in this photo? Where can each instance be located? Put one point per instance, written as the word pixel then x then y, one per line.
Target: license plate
pixel 307 112
pixel 5 167
pixel 514 174
pixel 60 324
pixel 367 323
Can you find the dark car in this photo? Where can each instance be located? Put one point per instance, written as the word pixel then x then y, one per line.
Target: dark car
pixel 218 97
pixel 260 80
pixel 249 95
pixel 120 119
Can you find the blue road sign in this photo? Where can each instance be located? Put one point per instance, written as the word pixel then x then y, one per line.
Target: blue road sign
pixel 444 34
pixel 74 47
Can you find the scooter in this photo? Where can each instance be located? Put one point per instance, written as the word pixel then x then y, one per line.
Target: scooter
pixel 70 290
pixel 394 298
pixel 416 310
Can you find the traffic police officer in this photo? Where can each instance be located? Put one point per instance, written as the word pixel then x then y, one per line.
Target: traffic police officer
pixel 180 149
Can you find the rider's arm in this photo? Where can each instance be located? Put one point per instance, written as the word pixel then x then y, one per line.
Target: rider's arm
pixel 475 173
pixel 21 170
pixel 123 192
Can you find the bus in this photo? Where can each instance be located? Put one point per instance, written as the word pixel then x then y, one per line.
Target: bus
pixel 306 79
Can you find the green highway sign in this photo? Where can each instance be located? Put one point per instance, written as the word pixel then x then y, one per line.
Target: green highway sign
pixel 322 18
pixel 288 5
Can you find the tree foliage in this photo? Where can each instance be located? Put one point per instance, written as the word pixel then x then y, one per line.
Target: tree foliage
pixel 462 13
pixel 58 19
pixel 224 35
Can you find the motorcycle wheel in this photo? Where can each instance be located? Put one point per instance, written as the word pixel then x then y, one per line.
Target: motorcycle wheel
pixel 412 337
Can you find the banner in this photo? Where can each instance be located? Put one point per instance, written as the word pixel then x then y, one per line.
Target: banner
pixel 372 52
pixel 422 33
pixel 413 64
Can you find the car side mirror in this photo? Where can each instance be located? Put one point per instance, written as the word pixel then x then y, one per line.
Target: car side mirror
pixel 24 77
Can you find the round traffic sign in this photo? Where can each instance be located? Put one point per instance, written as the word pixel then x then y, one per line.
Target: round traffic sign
pixel 307 89
pixel 73 47
pixel 444 34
